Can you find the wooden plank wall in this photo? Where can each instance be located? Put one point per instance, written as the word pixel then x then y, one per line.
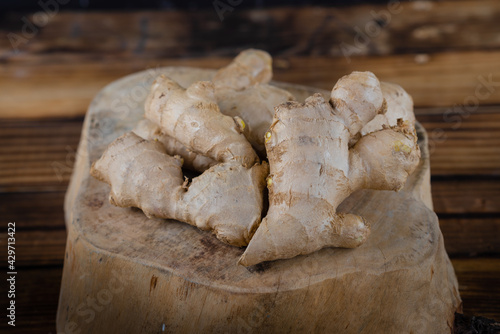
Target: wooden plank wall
pixel 446 54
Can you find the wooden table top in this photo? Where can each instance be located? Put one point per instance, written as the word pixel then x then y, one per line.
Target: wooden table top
pixel 446 54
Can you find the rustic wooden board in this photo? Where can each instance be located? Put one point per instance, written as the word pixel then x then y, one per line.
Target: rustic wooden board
pixel 480 285
pixel 459 195
pixel 36 301
pixel 40 156
pixel 181 279
pixel 37 156
pixel 478 277
pixel 33 211
pixel 445 79
pixel 45 80
pixel 471 236
pixel 37 159
pixel 406 27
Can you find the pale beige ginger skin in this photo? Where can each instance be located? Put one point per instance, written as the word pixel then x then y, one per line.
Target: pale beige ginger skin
pixel 193 118
pixel 249 68
pixel 399 107
pixel 142 175
pixel 317 159
pixel 242 89
pixel 191 160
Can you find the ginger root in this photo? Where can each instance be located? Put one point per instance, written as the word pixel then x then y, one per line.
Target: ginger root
pixel 188 125
pixel 319 153
pixel 242 89
pixel 193 161
pixel 193 118
pixel 142 175
pixel 399 107
pixel 317 158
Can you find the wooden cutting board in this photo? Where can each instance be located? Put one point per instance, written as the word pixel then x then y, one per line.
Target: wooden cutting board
pixel 124 273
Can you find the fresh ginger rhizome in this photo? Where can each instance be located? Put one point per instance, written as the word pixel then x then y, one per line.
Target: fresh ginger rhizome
pixel 318 153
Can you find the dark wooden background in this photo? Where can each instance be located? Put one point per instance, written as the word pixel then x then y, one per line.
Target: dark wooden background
pixel 441 52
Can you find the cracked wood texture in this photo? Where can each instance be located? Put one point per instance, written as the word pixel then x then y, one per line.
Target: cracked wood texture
pixel 401 276
pixel 439 51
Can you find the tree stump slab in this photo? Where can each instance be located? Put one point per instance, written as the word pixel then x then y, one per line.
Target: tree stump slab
pixel 124 273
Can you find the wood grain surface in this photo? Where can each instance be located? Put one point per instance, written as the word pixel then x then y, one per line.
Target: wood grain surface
pixel 405 251
pixel 440 52
pixel 57 96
